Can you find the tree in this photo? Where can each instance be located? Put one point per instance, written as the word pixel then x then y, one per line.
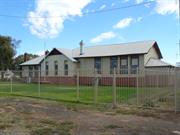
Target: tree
pixel 20 59
pixel 8 47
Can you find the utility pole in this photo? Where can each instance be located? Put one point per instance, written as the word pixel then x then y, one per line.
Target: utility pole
pixel 44 61
pixel 178 60
pixel 178 33
pixel 179 25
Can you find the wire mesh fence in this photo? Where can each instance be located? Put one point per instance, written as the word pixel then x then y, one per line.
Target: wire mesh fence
pixel 177 89
pixel 147 88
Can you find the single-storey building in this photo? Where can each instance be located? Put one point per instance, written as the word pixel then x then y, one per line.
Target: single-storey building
pixel 126 58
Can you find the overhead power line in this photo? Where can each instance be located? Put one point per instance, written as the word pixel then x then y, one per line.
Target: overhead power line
pixel 84 13
pixel 120 8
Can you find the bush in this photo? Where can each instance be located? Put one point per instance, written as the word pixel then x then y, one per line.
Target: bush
pixel 149 103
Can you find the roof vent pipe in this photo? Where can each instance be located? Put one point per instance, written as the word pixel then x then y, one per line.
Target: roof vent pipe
pixel 81 47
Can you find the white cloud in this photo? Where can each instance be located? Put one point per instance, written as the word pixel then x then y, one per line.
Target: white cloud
pixel 113 4
pixel 103 36
pixel 123 23
pixel 164 7
pixel 139 19
pixel 102 7
pixel 139 1
pixel 53 14
pixel 127 22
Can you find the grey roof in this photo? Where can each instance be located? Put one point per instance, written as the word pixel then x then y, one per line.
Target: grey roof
pixel 178 64
pixel 157 63
pixel 140 47
pixel 35 61
pixel 67 53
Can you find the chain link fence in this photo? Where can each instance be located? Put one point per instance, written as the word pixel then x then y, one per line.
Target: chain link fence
pixel 144 88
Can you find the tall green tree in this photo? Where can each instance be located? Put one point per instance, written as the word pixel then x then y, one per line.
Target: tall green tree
pixel 8 47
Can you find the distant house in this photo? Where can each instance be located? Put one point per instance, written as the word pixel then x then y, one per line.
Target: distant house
pixel 7 75
pixel 125 58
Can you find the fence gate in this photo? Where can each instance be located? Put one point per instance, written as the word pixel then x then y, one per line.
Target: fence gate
pixel 177 90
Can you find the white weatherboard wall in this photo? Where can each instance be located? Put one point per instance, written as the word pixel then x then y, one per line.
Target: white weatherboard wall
pixel 105 65
pixel 151 54
pixel 25 72
pixel 60 59
pixel 87 65
pixel 141 62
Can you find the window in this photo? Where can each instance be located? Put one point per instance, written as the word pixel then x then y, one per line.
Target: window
pixel 47 68
pixel 113 64
pixel 65 67
pixel 134 64
pixel 36 72
pixel 124 65
pixel 97 64
pixel 55 67
pixel 30 71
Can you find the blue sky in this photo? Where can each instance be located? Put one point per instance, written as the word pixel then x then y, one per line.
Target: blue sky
pixel 62 23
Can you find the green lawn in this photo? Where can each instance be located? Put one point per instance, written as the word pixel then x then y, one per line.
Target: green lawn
pixel 86 93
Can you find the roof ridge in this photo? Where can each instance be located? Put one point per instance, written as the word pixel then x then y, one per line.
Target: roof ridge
pixel 125 43
pixel 63 48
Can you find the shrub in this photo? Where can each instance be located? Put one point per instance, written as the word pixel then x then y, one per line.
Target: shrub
pixel 149 103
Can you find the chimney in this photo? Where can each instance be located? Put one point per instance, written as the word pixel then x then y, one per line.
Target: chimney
pixel 25 57
pixel 46 52
pixel 81 47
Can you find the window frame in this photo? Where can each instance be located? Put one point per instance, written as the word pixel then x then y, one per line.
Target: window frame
pixel 98 61
pixel 124 68
pixel 47 68
pixel 30 71
pixel 36 71
pixel 112 65
pixel 134 68
pixel 56 67
pixel 66 69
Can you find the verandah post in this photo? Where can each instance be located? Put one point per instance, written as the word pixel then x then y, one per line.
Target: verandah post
pixel 77 85
pixel 114 89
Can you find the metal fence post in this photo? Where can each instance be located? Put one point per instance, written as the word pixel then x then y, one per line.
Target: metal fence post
pixel 39 83
pixel 11 81
pixel 137 85
pixel 114 88
pixel 96 81
pixel 77 84
pixel 157 80
pixel 175 90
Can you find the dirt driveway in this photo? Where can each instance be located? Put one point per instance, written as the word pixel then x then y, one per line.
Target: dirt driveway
pixel 25 116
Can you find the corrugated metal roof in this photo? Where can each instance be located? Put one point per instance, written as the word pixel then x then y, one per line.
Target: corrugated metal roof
pixel 35 61
pixel 140 47
pixel 156 63
pixel 67 53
